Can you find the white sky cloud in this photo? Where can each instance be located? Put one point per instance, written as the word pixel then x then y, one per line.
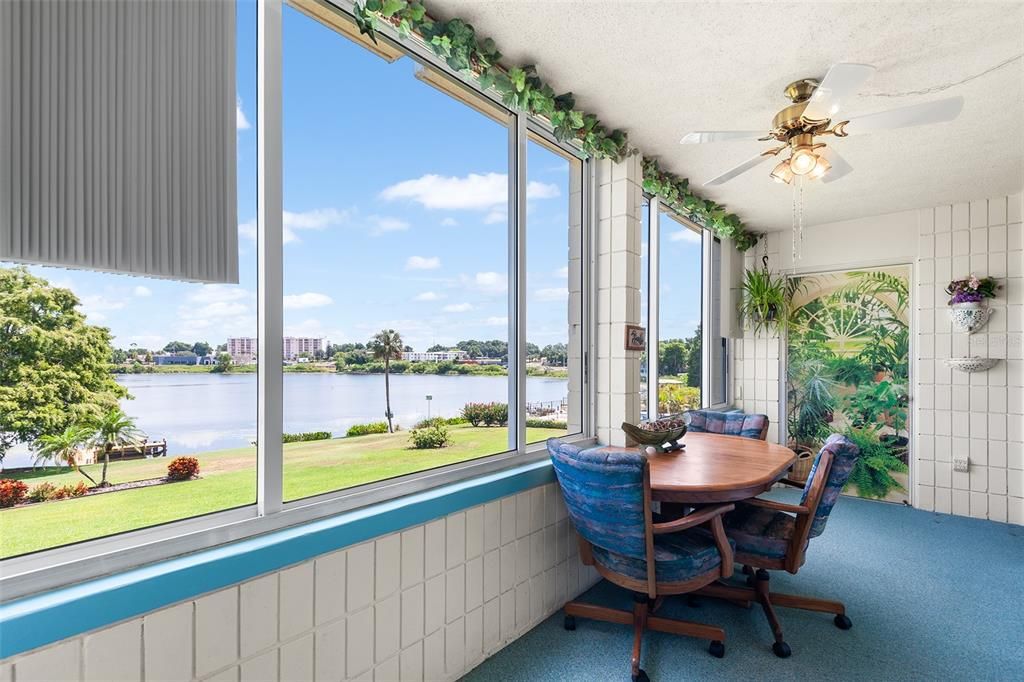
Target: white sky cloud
pixel 490 282
pixel 496 321
pixel 383 224
pixel 294 222
pixel 457 308
pixel 449 222
pixel 422 263
pixel 685 235
pixel 551 294
pixel 241 122
pixel 475 191
pixel 497 215
pixel 142 292
pixel 428 296
pixel 310 299
pixel 562 272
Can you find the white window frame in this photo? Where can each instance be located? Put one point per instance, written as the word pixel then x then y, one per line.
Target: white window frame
pixel 708 273
pixel 60 566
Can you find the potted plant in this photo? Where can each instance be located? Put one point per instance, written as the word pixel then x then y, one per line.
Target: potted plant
pixel 966 302
pixel 764 300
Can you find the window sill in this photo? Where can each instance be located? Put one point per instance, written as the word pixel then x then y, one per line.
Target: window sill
pixel 64 612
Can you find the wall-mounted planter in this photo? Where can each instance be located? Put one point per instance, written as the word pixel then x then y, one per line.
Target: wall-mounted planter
pixel 969 317
pixel 973 364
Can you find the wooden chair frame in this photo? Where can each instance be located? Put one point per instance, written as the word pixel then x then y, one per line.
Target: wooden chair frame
pixel 757 589
pixel 649 593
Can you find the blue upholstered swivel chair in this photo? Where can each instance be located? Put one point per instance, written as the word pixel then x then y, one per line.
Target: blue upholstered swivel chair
pixel 607 493
pixel 771 535
pixel 728 423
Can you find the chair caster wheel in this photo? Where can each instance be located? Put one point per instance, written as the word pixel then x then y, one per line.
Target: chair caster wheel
pixel 641 676
pixel 569 623
pixel 781 649
pixel 843 622
pixel 716 649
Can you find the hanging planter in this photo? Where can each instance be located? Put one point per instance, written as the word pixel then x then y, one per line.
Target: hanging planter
pixel 967 304
pixel 972 364
pixel 969 317
pixel 765 303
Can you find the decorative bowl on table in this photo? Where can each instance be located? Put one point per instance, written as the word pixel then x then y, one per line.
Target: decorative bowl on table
pixel 661 435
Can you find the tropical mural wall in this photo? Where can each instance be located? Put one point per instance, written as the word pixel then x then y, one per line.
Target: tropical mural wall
pixel 848 372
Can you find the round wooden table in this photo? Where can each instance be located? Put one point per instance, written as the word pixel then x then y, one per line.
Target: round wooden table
pixel 716 468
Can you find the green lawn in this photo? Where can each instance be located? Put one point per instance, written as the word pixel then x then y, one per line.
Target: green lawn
pixel 228 480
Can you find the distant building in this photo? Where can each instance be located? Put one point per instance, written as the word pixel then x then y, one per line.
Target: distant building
pixel 243 349
pixel 185 357
pixel 435 356
pixel 294 346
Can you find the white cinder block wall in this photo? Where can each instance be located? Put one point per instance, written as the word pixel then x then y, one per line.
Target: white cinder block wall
pixel 953 414
pixel 428 603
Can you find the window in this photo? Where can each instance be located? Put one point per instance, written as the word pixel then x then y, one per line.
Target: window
pixel 554 291
pixel 718 351
pixel 398 303
pixel 126 374
pixel 645 303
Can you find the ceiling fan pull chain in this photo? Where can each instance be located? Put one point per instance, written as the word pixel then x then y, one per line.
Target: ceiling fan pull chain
pixel 800 203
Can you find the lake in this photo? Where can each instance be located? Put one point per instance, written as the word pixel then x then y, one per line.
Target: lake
pixel 201 412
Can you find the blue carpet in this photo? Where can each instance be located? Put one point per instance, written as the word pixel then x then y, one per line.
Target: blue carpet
pixel 931 596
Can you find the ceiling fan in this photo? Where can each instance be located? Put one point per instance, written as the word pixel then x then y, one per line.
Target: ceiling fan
pixel 811 115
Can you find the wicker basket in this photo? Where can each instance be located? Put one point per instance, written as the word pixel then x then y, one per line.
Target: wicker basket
pixel 802 467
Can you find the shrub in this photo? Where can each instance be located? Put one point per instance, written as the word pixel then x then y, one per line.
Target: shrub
pixel 439 421
pixel 367 429
pixel 67 491
pixel 431 437
pixel 399 366
pixel 545 424
pixel 42 492
pixel 183 468
pixel 487 414
pixel 11 492
pixel 303 437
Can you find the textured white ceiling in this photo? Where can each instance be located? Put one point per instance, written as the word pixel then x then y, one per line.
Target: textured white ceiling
pixel 661 69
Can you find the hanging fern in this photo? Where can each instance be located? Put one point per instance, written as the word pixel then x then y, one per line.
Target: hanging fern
pixel 522 89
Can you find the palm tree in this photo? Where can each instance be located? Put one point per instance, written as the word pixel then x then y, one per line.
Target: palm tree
pixel 62 447
pixel 113 429
pixel 387 345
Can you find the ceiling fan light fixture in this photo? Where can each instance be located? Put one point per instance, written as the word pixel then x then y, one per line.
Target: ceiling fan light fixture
pixel 803 160
pixel 821 167
pixel 781 173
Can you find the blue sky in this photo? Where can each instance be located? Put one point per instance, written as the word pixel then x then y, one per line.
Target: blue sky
pixel 394 198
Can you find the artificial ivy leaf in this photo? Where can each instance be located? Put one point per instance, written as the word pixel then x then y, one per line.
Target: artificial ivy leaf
pixel 415 11
pixel 373 5
pixel 575 119
pixel 518 78
pixel 390 7
pixel 404 29
pixel 485 80
pixel 566 101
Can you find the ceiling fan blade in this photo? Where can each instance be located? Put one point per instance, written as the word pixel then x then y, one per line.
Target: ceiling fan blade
pixel 738 170
pixel 840 166
pixel 939 111
pixel 841 82
pixel 701 137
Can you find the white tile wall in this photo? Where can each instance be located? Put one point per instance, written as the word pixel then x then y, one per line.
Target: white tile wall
pixel 429 603
pixel 974 415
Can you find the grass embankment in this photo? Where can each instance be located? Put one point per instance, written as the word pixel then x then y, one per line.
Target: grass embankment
pixel 228 480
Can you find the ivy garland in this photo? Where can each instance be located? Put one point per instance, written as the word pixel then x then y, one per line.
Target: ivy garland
pixel 522 89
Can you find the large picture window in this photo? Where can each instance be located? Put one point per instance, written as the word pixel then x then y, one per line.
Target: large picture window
pixel 120 407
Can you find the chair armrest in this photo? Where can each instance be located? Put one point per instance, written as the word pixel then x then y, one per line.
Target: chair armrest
pixel 694 519
pixel 778 506
pixel 789 481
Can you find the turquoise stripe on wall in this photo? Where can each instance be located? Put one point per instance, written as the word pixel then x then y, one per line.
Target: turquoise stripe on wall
pixel 43 619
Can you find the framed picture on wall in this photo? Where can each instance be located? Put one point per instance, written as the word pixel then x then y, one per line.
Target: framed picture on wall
pixel 636 337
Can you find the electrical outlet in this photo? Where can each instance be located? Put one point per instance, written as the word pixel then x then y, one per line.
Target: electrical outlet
pixel 960 464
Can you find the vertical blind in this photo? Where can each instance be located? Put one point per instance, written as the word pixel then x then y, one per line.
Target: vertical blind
pixel 117 136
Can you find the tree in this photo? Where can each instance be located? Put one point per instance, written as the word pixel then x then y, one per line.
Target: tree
pixel 386 345
pixel 532 350
pixel 113 429
pixel 54 367
pixel 224 363
pixel 694 358
pixel 339 361
pixel 557 354
pixel 201 348
pixel 672 357
pixel 62 448
pixel 177 347
pixel 437 348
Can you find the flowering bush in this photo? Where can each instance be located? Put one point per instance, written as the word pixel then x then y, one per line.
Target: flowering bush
pixel 488 414
pixel 183 468
pixel 971 290
pixel 42 492
pixel 11 492
pixel 66 491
